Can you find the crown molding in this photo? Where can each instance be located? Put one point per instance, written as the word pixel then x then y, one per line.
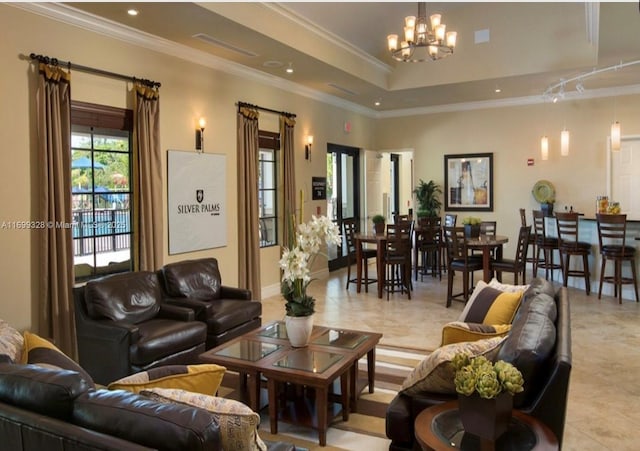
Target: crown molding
pixel 325 34
pixel 95 24
pixel 71 16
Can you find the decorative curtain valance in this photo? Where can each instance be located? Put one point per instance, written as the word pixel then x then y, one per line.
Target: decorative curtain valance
pixel 249 113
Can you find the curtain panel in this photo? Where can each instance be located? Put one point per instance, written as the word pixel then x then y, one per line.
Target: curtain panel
pixel 248 213
pixel 53 109
pixel 147 187
pixel 287 125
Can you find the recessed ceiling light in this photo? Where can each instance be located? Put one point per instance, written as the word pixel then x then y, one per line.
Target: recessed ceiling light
pixel 497 90
pixel 376 103
pixel 289 69
pixel 132 12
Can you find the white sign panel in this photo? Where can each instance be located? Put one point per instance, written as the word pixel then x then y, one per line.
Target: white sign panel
pixel 196 193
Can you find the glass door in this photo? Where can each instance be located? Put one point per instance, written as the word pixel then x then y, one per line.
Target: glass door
pixel 343 194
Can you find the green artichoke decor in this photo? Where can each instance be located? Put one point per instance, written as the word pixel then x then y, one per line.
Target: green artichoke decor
pixel 487 379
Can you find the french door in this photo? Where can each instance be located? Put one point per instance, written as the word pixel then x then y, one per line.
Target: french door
pixel 343 194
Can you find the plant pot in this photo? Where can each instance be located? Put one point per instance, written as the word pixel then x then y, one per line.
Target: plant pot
pixel 485 418
pixel 299 330
pixel 378 227
pixel 472 230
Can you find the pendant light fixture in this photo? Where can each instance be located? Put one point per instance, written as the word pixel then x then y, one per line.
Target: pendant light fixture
pixel 544 148
pixel 615 136
pixel 564 142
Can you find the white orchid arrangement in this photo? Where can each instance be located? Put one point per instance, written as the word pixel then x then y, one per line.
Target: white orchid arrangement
pixel 298 259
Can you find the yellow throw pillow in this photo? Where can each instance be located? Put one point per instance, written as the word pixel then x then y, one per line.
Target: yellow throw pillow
pixel 457 332
pixel 491 306
pixel 203 378
pixel 41 352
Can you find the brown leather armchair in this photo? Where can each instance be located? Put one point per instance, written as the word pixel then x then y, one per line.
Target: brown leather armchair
pixel 123 327
pixel 197 284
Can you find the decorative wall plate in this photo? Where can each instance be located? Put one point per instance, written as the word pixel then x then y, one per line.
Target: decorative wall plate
pixel 544 192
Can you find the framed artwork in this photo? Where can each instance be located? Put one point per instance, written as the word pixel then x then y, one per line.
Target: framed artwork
pixel 468 181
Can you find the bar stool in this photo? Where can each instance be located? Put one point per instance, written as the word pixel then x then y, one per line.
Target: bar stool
pixel 450 220
pixel 428 244
pixel 529 257
pixel 544 243
pixel 350 229
pixel 397 259
pixel 568 244
pixel 612 231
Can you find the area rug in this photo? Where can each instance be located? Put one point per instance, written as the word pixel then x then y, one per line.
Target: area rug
pixel 366 427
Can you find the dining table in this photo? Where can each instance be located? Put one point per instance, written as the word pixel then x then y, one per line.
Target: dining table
pixel 380 240
pixel 486 243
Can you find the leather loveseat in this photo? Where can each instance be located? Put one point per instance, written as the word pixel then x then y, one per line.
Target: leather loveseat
pixel 538 323
pixel 228 312
pixel 123 327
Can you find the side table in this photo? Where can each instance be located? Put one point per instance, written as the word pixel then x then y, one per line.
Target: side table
pixel 439 428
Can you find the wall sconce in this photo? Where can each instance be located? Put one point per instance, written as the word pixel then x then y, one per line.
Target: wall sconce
pixel 307 147
pixel 544 148
pixel 200 135
pixel 615 136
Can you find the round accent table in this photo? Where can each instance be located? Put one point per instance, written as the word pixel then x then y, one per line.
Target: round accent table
pixel 439 428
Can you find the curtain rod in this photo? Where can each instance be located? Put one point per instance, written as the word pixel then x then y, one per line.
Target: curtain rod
pixel 249 105
pixel 57 62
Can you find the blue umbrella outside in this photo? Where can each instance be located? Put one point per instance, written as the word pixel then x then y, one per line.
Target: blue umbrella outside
pixel 85 163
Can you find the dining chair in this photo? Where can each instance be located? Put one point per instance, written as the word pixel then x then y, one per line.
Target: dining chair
pixel 397 218
pixel 518 264
pixel 450 220
pixel 397 259
pixel 612 232
pixel 350 229
pixel 569 245
pixel 428 239
pixel 458 259
pixel 545 243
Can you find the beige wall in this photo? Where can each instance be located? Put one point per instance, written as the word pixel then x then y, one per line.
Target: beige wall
pixel 188 92
pixel 513 135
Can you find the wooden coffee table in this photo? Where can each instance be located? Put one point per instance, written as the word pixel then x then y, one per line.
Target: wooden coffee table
pixel 332 354
pixel 439 428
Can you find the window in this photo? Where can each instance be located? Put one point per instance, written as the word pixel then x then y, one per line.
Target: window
pixel 267 187
pixel 101 158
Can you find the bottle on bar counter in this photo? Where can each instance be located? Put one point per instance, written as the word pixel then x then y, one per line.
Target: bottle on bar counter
pixel 602 204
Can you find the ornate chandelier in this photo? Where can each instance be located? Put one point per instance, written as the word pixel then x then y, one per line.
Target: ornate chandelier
pixel 422 43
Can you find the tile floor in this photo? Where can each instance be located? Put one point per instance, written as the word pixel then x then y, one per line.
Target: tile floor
pixel 605 341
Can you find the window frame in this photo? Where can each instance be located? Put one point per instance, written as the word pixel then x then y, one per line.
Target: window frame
pixel 100 120
pixel 269 141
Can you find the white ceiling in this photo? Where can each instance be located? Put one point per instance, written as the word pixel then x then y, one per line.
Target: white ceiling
pixel 339 49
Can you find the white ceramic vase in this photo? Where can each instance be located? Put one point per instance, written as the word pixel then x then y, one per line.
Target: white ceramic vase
pixel 299 330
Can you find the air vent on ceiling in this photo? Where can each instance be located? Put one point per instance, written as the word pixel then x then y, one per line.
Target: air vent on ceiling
pixel 340 88
pixel 217 42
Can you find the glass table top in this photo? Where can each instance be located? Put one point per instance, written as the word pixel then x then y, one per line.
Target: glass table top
pixel 307 360
pixel 340 339
pixel 275 330
pixel 248 350
pixel 448 428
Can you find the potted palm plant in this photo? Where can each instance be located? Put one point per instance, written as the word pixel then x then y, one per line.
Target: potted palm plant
pixel 428 197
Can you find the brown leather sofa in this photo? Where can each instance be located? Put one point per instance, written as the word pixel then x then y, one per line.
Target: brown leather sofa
pixel 44 408
pixel 123 327
pixel 536 326
pixel 228 312
pixel 51 409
